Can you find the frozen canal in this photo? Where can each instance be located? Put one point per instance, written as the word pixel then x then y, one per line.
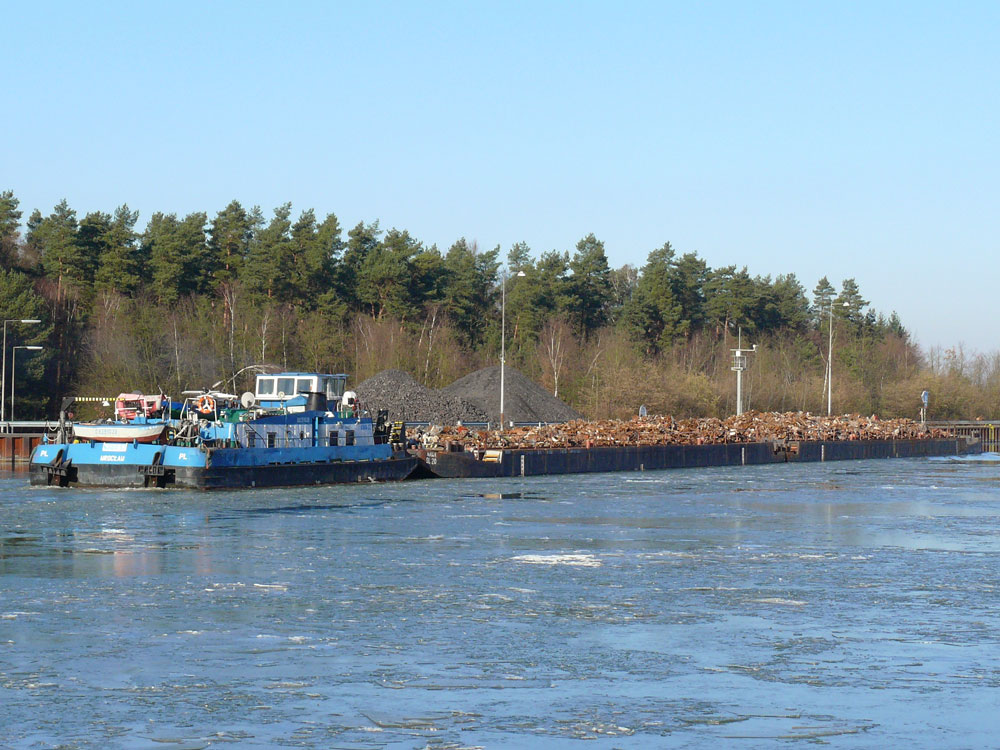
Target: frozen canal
pixel 852 603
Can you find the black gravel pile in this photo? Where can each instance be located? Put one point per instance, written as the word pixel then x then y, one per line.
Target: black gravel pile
pixel 409 401
pixel 524 400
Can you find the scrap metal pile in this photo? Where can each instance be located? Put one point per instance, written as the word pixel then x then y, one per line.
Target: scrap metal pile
pixel 750 427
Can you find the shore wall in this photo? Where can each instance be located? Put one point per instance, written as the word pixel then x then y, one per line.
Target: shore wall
pixel 518 462
pixel 16 448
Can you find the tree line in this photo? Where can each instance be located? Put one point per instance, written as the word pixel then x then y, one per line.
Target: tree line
pixel 184 301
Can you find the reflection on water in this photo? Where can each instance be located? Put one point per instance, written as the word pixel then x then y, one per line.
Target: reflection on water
pixel 854 604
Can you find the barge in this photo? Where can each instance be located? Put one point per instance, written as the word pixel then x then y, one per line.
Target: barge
pixel 307 429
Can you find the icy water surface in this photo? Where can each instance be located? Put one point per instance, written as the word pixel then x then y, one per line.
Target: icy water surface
pixel 854 604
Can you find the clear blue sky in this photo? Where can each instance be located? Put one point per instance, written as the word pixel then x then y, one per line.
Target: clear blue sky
pixel 845 139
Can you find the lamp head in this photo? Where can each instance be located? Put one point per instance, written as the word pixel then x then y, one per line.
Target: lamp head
pixel 31 321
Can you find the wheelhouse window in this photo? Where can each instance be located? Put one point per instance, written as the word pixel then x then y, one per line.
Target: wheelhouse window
pixel 334 388
pixel 286 386
pixel 265 386
pixel 305 384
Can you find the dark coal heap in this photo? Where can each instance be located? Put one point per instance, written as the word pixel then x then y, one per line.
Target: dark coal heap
pixel 409 401
pixel 524 399
pixel 474 398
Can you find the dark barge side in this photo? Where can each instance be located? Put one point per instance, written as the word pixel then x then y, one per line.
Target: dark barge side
pixel 535 462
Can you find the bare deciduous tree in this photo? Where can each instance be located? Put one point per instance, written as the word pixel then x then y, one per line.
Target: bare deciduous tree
pixel 555 341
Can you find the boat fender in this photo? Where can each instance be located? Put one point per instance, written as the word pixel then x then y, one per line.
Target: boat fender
pixel 205 405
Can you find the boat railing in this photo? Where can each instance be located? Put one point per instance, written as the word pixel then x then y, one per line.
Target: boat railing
pixel 294 434
pixel 281 432
pixel 24 427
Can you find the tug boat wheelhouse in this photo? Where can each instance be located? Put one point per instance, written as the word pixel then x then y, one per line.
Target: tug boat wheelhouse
pixel 293 429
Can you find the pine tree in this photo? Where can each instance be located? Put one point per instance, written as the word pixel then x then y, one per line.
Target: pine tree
pixel 849 303
pixel 229 237
pixel 268 272
pixel 653 316
pixel 55 240
pixel 518 257
pixel 589 286
pixel 732 298
pixel 688 275
pixel 10 221
pixel 386 276
pixel 895 326
pixel 161 242
pixel 199 264
pixel 791 303
pixel 822 299
pixel 303 243
pixel 178 253
pixel 19 300
pixel 429 277
pixel 467 293
pixel 361 241
pixel 120 268
pixel 321 264
pixel 91 238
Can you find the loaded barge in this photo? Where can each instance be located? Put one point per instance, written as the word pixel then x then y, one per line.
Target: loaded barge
pixel 306 429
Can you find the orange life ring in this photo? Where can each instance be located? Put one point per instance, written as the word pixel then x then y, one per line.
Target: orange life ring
pixel 205 405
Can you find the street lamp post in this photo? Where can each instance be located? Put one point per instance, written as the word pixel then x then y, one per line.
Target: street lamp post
pixel 503 336
pixel 3 367
pixel 829 366
pixel 13 369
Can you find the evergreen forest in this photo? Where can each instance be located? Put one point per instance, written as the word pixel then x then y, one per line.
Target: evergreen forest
pixel 186 301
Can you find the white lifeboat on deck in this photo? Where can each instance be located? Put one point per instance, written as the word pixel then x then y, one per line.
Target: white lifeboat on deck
pixel 110 432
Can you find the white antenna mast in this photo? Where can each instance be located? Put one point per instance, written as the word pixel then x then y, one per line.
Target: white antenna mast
pixel 739 365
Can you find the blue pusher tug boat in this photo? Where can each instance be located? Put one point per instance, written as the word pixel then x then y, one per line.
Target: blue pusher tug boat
pixel 293 429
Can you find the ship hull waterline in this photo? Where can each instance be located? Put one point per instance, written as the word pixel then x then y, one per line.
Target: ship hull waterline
pixel 508 463
pixel 396 468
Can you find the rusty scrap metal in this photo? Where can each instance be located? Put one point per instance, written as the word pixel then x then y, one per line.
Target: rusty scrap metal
pixel 749 427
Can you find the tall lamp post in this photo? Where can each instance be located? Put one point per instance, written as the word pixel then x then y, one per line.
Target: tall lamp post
pixel 829 366
pixel 13 369
pixel 503 336
pixel 3 372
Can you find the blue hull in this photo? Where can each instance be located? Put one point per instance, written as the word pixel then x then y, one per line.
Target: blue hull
pixel 132 465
